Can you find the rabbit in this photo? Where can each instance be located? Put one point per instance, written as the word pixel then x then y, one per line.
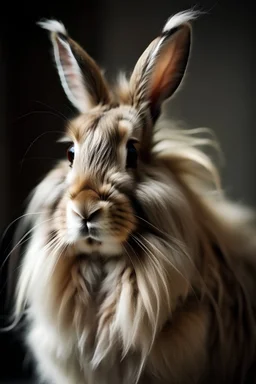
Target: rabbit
pixel 139 269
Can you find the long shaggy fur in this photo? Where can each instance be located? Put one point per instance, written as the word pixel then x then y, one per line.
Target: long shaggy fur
pixel 168 295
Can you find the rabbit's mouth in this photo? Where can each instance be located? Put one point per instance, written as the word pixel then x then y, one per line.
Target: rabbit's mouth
pixel 105 247
pixel 101 226
pixel 90 231
pixel 92 241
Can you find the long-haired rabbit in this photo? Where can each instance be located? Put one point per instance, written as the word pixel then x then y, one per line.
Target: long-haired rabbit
pixel 138 270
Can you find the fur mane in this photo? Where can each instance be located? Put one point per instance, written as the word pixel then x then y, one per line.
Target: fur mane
pixel 223 229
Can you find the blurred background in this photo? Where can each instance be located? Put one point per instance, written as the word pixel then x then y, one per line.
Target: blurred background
pixel 219 93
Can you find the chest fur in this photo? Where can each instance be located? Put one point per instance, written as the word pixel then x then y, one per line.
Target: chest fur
pixel 93 300
pixel 108 311
pixel 109 317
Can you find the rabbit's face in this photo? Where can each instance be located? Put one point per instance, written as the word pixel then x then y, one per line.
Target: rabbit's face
pixel 111 139
pixel 96 212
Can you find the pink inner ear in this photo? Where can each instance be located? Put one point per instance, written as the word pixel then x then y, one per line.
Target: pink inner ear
pixel 70 68
pixel 66 62
pixel 170 66
pixel 71 75
pixel 80 76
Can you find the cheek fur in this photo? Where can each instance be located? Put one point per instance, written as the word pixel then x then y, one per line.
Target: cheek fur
pixel 60 219
pixel 122 219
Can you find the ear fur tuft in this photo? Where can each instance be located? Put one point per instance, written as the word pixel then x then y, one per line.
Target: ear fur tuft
pixel 179 19
pixel 53 26
pixel 80 76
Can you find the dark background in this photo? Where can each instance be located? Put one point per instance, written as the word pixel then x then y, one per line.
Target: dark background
pixel 219 93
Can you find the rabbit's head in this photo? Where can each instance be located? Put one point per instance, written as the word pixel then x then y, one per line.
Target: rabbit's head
pixel 96 205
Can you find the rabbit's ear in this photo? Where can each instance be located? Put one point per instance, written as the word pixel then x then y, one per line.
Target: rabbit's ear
pixel 80 76
pixel 160 69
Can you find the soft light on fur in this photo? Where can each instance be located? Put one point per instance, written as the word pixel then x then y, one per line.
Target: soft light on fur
pixel 160 287
pixel 179 19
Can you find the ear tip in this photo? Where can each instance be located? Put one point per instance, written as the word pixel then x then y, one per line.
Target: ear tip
pixel 53 26
pixel 179 19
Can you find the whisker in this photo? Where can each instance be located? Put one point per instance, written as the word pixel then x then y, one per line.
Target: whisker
pixel 33 142
pixel 169 262
pixel 153 226
pixel 127 243
pixel 186 254
pixel 20 241
pixel 145 249
pixel 35 113
pixel 55 246
pixel 60 114
pixel 177 243
pixel 9 275
pixel 18 218
pixel 49 245
pixel 149 252
pixel 40 158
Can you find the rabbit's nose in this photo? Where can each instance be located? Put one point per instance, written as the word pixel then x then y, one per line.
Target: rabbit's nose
pixel 85 216
pixel 85 228
pixel 89 223
pixel 90 230
pixel 94 215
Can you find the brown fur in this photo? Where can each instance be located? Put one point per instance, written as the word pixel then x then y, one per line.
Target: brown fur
pixel 167 293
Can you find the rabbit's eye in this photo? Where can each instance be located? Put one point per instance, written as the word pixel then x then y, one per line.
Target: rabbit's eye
pixel 131 160
pixel 71 154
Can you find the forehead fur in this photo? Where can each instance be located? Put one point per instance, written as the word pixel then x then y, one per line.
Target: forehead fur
pixel 120 122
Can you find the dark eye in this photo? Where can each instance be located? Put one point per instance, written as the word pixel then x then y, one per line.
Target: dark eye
pixel 132 155
pixel 71 154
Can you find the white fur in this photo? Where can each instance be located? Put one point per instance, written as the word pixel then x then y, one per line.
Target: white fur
pixel 53 26
pixel 74 223
pixel 179 19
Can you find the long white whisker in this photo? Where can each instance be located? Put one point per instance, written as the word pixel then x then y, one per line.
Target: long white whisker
pixel 18 218
pixel 56 246
pixel 20 241
pixel 171 246
pixel 133 251
pixel 169 262
pixel 127 253
pixel 153 226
